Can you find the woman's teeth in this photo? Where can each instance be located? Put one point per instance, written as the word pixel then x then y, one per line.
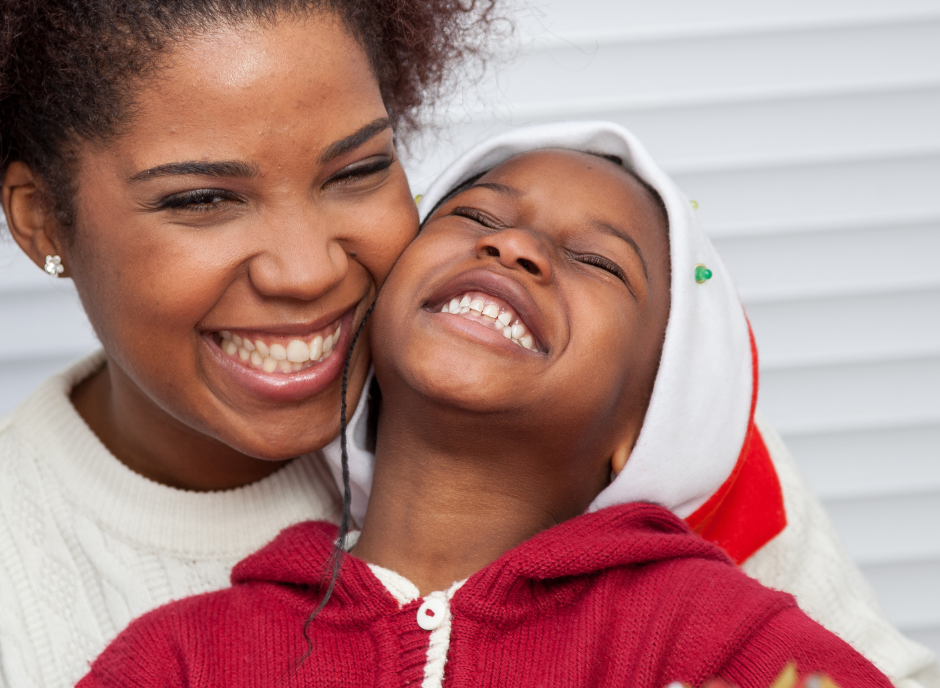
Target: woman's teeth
pixel 501 318
pixel 291 357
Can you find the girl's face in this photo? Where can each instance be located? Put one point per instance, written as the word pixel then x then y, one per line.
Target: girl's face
pixel 229 241
pixel 537 300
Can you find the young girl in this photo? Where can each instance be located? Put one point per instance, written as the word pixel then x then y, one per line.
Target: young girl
pixel 524 341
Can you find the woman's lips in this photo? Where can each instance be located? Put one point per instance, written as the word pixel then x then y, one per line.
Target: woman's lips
pixel 283 373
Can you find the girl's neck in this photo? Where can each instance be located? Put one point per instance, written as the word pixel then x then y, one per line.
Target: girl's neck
pixel 444 503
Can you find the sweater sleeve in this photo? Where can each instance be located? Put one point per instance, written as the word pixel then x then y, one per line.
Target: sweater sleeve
pixel 145 655
pixel 791 636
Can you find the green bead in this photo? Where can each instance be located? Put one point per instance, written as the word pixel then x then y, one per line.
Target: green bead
pixel 702 274
pixel 694 205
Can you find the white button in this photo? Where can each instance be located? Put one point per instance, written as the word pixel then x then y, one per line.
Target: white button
pixel 431 613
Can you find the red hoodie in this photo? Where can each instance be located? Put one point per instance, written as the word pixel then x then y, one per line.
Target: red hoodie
pixel 626 596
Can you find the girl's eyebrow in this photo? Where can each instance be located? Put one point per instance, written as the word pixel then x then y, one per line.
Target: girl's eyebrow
pixel 499 188
pixel 620 234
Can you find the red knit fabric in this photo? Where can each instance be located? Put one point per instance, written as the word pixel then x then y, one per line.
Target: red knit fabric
pixel 626 596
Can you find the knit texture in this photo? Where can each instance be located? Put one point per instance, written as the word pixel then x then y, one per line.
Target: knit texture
pixel 625 596
pixel 86 544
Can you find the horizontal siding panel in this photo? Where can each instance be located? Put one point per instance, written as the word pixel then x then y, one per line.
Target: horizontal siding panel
pixel 908 591
pixel 874 326
pixel 753 200
pixel 822 263
pixel 739 63
pixel 870 461
pixel 566 17
pixel 44 324
pixel 887 529
pixel 852 396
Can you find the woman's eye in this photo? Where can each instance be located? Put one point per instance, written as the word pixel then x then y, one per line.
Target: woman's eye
pixel 201 200
pixel 603 264
pixel 361 170
pixel 478 216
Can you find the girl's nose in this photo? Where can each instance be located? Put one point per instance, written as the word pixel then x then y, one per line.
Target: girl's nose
pixel 518 249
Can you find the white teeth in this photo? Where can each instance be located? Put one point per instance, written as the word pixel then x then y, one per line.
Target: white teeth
pixel 269 365
pixel 262 348
pixel 477 305
pixel 526 341
pixel 316 348
pixel 297 351
pixel 237 340
pixel 284 365
pixel 507 332
pixel 243 353
pixel 296 367
pixel 247 343
pixel 445 308
pixel 465 302
pixel 491 311
pixel 454 305
pixel 229 347
pixel 327 345
pixel 278 352
pixel 505 317
pixel 225 334
pixel 256 359
pixel 465 309
pixel 518 330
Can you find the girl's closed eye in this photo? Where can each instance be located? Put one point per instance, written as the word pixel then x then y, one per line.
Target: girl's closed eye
pixel 479 217
pixel 603 264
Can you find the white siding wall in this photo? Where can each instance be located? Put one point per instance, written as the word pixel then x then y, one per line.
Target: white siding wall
pixel 809 132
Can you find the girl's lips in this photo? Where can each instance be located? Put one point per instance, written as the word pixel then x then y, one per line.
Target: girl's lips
pixel 503 291
pixel 285 386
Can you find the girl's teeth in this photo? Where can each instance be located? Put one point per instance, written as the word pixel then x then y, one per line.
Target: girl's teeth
pixel 262 348
pixel 229 347
pixel 284 365
pixel 269 365
pixel 243 353
pixel 237 340
pixel 225 334
pixel 247 343
pixel 256 359
pixel 502 321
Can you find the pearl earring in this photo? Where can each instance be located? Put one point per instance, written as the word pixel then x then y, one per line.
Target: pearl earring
pixel 53 266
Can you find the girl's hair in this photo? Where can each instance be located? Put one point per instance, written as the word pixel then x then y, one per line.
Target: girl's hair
pixel 69 68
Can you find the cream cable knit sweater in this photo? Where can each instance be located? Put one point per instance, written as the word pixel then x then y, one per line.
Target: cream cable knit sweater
pixel 86 544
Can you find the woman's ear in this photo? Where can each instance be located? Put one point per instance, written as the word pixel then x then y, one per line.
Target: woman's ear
pixel 32 227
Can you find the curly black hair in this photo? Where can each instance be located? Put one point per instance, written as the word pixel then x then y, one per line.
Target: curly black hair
pixel 69 68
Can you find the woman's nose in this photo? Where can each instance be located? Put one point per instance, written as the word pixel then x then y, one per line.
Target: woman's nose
pixel 518 249
pixel 301 263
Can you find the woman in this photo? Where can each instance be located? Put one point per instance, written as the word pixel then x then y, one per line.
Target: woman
pixel 209 174
pixel 197 168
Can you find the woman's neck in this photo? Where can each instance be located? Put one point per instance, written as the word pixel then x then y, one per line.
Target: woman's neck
pixel 444 504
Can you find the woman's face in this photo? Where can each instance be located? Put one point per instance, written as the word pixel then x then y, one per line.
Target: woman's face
pixel 248 213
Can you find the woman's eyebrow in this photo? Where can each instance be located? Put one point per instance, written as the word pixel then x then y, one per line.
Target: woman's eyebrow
pixel 354 140
pixel 620 234
pixel 224 168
